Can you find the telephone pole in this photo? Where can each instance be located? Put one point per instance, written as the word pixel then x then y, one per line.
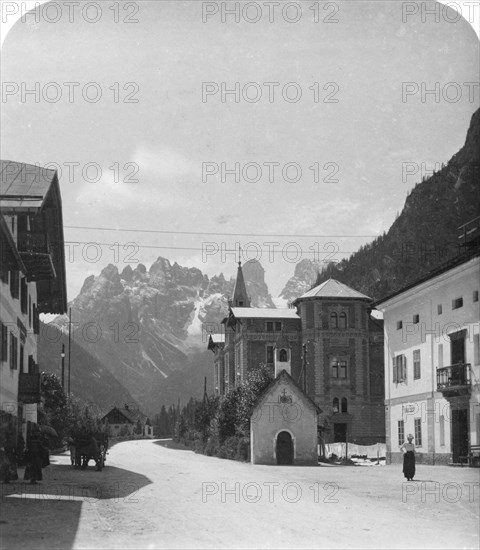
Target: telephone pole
pixel 69 347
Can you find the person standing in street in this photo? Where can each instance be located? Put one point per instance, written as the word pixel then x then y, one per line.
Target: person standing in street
pixel 408 450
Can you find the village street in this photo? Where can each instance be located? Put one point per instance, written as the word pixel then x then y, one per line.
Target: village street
pixel 152 496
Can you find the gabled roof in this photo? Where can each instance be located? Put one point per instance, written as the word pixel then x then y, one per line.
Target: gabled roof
pixel 283 376
pixel 264 313
pixel 216 340
pixel 133 416
pixel 30 190
pixel 333 289
pixel 282 341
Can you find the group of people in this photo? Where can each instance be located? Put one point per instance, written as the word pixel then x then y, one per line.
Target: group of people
pixel 36 457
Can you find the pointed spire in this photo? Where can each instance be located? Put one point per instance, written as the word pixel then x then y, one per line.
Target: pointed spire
pixel 240 297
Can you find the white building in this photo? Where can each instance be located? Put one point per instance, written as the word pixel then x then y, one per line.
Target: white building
pixel 432 365
pixel 32 281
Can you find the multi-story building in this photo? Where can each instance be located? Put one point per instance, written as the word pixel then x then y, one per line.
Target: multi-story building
pixel 344 345
pixel 32 281
pixel 335 354
pixel 432 365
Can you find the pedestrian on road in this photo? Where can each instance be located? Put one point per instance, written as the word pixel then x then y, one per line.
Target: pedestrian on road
pixel 35 457
pixel 408 450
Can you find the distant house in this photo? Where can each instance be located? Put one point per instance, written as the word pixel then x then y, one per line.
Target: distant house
pixel 32 281
pixel 127 421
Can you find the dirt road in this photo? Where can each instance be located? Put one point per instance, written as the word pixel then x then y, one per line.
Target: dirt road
pixel 152 496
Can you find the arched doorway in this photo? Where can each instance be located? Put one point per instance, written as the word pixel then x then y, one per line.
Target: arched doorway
pixel 284 448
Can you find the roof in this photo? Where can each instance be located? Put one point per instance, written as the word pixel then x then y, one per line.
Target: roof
pixel 264 313
pixel 23 186
pixel 30 190
pixel 133 416
pixel 284 376
pixel 443 268
pixel 333 289
pixel 282 341
pixel 215 340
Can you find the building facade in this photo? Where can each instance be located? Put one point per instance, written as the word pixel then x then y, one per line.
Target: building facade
pixel 432 369
pixel 32 281
pixel 335 354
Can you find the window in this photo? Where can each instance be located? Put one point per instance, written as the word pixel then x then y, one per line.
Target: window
pixel 399 369
pixel 22 357
pixel 418 432
pixel 335 405
pixel 339 369
pixel 399 325
pixel 342 320
pixel 35 320
pixel 416 318
pixel 274 326
pixel 269 354
pixel 344 405
pixel 439 309
pixel 14 284
pixel 240 303
pixel 440 356
pixel 475 295
pixel 334 368
pixel 333 320
pixel 457 303
pixel 476 349
pixel 3 351
pixel 442 431
pixel 283 356
pixel 31 365
pixel 13 352
pixel 416 364
pixel 401 432
pixel 23 295
pixel 269 326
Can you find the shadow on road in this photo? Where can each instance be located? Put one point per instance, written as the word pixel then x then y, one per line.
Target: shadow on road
pixel 51 509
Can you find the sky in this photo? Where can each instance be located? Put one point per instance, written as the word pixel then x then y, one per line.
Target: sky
pixel 329 127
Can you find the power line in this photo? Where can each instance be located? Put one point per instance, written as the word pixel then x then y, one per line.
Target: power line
pixel 197 249
pixel 212 233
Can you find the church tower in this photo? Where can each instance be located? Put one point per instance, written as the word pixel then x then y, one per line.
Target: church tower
pixel 240 297
pixel 283 355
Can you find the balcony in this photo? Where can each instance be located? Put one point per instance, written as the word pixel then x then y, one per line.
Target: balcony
pixel 454 380
pixel 29 388
pixel 35 252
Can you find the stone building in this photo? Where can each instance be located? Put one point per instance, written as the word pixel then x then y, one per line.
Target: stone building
pixel 335 354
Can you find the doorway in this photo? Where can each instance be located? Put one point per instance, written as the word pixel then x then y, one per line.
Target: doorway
pixel 459 434
pixel 284 448
pixel 339 432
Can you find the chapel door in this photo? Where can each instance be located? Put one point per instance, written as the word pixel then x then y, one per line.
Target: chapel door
pixel 284 448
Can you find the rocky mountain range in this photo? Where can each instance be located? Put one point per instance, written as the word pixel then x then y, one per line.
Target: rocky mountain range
pixel 149 327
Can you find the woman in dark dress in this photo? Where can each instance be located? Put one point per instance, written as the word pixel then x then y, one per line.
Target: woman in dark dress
pixel 408 450
pixel 35 456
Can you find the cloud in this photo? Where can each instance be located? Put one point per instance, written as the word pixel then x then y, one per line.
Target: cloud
pixel 165 164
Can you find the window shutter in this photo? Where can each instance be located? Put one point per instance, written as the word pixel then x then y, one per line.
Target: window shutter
pixel 404 370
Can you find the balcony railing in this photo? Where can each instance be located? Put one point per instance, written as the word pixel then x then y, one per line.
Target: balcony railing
pixel 29 387
pixel 452 378
pixel 36 254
